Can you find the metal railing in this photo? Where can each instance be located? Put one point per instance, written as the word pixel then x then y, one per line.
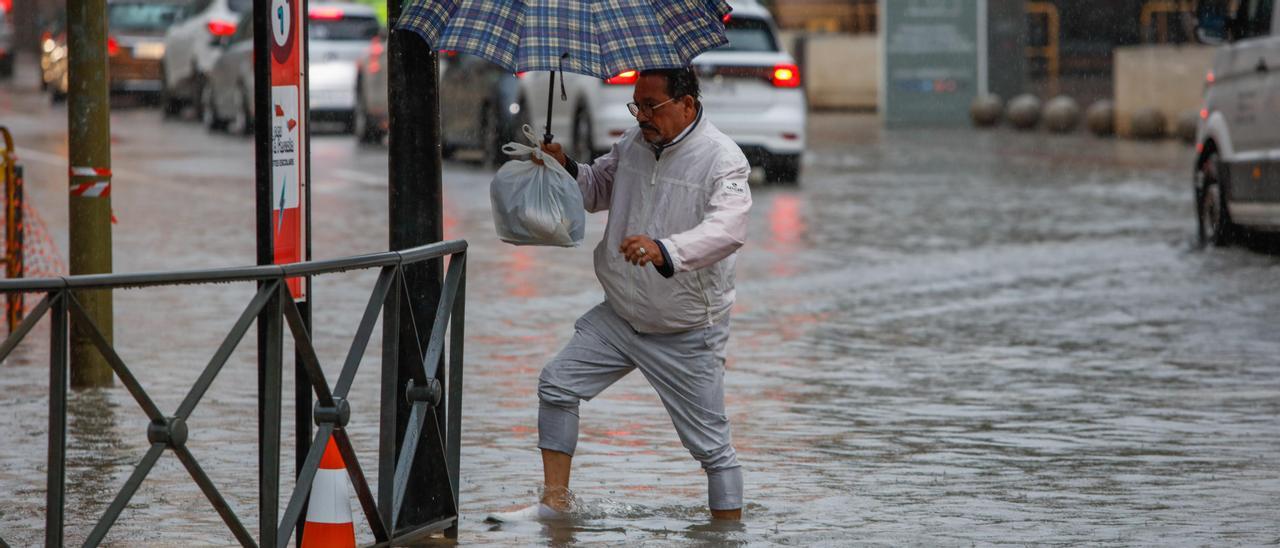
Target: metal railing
pixel 1157 15
pixel 856 17
pixel 1049 48
pixel 434 395
pixel 11 173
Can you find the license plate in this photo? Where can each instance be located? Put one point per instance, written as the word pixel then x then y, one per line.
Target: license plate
pixel 150 50
pixel 720 91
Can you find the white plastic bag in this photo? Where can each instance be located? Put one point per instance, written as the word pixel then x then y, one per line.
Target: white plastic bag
pixel 536 204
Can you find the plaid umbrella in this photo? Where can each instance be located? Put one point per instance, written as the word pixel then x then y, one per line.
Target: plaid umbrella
pixel 598 38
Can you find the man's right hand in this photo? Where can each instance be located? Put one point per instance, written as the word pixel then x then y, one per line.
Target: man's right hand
pixel 555 150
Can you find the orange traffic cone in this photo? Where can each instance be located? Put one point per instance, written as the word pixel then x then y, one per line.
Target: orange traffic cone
pixel 329 510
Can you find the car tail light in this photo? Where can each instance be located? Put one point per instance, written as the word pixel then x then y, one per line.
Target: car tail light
pixel 1209 78
pixel 218 27
pixel 521 74
pixel 326 14
pixel 623 78
pixel 726 18
pixel 375 55
pixel 113 47
pixel 785 76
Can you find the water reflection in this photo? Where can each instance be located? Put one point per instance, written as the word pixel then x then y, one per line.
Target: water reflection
pixel 94 453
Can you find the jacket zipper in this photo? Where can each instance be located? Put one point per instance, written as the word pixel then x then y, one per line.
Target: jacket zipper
pixel 645 212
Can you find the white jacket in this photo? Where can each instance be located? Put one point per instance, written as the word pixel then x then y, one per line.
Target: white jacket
pixel 694 199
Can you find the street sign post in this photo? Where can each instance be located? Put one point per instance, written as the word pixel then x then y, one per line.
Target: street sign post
pixel 288 141
pixel 281 162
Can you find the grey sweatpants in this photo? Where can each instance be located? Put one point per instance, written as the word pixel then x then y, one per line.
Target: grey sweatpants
pixel 686 369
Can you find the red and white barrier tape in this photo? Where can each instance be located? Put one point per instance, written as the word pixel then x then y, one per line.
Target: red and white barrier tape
pixel 90 172
pixel 100 189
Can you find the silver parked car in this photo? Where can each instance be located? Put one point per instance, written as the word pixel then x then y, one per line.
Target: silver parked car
pixel 1237 170
pixel 338 35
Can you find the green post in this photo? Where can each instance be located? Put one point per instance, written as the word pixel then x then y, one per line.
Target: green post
pixel 89 132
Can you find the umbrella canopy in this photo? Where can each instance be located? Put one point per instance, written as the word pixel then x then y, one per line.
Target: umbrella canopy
pixel 601 37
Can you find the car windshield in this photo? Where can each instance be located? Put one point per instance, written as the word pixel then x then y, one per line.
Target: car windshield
pixel 746 34
pixel 125 16
pixel 343 28
pixel 240 6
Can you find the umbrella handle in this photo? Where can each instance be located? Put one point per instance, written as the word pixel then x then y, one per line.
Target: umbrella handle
pixel 551 91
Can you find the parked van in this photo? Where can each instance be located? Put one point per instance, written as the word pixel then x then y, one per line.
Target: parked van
pixel 1237 170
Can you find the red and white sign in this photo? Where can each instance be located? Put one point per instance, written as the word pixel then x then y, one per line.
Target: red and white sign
pixel 288 138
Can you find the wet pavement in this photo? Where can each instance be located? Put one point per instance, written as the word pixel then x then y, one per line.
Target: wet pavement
pixel 941 338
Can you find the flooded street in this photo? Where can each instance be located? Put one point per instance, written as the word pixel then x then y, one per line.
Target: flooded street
pixel 941 338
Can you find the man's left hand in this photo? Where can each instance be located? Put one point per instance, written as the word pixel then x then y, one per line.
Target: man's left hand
pixel 641 250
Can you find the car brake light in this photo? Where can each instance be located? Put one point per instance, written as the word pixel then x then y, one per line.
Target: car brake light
pixel 326 14
pixel 113 47
pixel 521 74
pixel 1209 78
pixel 623 78
pixel 726 18
pixel 375 55
pixel 221 28
pixel 785 76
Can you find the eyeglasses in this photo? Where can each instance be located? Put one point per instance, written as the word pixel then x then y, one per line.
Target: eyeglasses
pixel 647 110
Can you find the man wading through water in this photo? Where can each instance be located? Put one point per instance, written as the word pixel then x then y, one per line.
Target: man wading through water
pixel 676 191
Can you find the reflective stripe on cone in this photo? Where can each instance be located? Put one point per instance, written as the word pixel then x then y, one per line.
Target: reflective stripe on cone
pixel 329 506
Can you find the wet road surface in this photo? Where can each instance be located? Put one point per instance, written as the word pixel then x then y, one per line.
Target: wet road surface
pixel 941 338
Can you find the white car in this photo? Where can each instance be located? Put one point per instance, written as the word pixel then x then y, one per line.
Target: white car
pixel 750 89
pixel 192 46
pixel 338 35
pixel 1237 170
pixel 338 38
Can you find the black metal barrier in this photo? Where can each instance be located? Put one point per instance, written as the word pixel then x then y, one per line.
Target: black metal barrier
pixel 435 394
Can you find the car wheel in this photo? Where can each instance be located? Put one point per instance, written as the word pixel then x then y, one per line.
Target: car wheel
pixel 208 109
pixel 364 128
pixel 782 168
pixel 583 148
pixel 170 106
pixel 58 90
pixel 240 123
pixel 1213 218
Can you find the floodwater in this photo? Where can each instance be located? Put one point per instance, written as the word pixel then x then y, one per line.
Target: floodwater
pixel 941 338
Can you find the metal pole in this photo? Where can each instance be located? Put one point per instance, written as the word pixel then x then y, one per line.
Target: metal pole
pixel 302 389
pixel 89 132
pixel 415 214
pixel 269 328
pixel 57 473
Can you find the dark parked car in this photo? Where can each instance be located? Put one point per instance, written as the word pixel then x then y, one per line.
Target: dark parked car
pixel 481 108
pixel 135 46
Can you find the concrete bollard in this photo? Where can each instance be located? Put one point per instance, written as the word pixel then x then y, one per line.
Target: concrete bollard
pixel 986 110
pixel 1148 123
pixel 1101 118
pixel 1187 125
pixel 1024 111
pixel 1061 114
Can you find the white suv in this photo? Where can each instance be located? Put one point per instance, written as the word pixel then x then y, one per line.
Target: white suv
pixel 1237 171
pixel 750 90
pixel 192 46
